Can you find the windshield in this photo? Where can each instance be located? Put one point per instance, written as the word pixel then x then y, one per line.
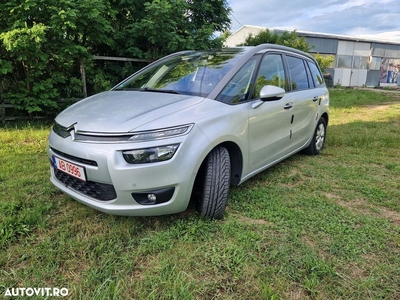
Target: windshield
pixel 190 73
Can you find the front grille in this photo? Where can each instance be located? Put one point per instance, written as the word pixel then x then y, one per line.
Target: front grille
pixel 98 191
pixel 76 159
pixel 62 131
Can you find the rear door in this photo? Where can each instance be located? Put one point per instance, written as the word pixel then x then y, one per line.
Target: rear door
pixel 305 98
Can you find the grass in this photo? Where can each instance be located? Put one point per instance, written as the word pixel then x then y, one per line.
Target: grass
pixel 323 227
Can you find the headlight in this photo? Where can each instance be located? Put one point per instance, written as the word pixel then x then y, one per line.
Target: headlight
pixel 149 155
pixel 140 136
pixel 161 133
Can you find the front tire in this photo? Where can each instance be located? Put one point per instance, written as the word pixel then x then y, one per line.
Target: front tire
pixel 318 140
pixel 217 176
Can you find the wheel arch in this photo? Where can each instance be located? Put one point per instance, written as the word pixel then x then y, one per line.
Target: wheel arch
pixel 202 190
pixel 326 117
pixel 236 158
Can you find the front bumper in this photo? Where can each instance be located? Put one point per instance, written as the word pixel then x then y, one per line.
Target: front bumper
pixel 116 187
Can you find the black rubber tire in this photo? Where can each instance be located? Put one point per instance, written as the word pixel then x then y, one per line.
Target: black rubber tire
pixel 318 140
pixel 217 176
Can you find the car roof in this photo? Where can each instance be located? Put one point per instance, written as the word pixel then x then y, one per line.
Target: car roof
pixel 262 47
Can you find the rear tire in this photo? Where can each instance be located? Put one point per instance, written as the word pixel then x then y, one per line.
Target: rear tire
pixel 217 176
pixel 318 140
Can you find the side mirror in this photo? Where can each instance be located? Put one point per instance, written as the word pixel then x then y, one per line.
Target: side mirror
pixel 271 93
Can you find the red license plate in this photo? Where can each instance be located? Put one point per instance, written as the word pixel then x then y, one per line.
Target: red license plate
pixel 69 168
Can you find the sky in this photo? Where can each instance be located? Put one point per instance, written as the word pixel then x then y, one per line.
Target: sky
pixel 377 19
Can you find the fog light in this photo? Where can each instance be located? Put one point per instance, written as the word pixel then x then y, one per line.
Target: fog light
pixel 152 197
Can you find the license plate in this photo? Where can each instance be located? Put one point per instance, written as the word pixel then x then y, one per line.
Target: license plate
pixel 69 168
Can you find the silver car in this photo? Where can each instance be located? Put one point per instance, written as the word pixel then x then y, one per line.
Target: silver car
pixel 187 127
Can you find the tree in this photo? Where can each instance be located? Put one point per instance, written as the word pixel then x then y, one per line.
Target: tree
pixel 285 38
pixel 167 26
pixel 324 61
pixel 290 39
pixel 47 45
pixel 44 43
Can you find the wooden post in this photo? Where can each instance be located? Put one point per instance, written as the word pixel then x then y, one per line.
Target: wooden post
pixel 83 75
pixel 2 108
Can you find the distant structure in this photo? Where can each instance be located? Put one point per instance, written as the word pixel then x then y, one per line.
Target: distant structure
pixel 358 61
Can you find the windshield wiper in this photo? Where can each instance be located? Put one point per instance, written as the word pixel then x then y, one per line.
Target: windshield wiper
pixel 146 89
pixel 126 89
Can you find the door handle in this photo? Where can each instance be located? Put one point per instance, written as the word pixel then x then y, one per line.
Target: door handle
pixel 288 105
pixel 315 98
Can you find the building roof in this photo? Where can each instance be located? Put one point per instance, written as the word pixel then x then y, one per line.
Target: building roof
pixel 242 33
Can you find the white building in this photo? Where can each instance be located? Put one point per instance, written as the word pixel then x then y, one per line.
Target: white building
pixel 358 61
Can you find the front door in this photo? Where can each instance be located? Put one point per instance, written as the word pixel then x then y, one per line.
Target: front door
pixel 269 122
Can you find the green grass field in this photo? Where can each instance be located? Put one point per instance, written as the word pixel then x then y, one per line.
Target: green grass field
pixel 323 227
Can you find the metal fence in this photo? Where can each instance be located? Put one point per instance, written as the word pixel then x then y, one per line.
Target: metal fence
pixel 9 113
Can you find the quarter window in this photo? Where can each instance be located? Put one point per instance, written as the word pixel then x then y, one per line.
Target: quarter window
pixel 271 72
pixel 316 74
pixel 298 74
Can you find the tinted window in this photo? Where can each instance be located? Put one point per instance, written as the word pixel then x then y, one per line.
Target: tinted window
pixel 271 72
pixel 310 79
pixel 298 74
pixel 239 86
pixel 316 74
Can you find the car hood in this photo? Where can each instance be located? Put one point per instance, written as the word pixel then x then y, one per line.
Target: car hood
pixel 123 111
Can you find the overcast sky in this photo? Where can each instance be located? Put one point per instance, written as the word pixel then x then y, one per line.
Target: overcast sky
pixel 378 19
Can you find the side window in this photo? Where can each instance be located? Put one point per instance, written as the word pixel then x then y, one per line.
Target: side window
pixel 271 72
pixel 239 86
pixel 311 84
pixel 316 74
pixel 298 74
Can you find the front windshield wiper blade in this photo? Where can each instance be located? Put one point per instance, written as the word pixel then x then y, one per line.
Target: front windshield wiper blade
pixel 126 89
pixel 146 89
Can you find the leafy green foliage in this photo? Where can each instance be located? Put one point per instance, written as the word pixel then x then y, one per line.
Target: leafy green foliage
pixel 285 38
pixel 42 42
pixel 162 27
pixel 324 61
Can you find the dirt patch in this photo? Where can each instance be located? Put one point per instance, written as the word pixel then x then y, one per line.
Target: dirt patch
pixel 253 221
pixel 368 209
pixel 382 106
pixel 293 179
pixel 392 215
pixel 332 196
pixel 245 220
pixel 295 292
pixel 315 244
